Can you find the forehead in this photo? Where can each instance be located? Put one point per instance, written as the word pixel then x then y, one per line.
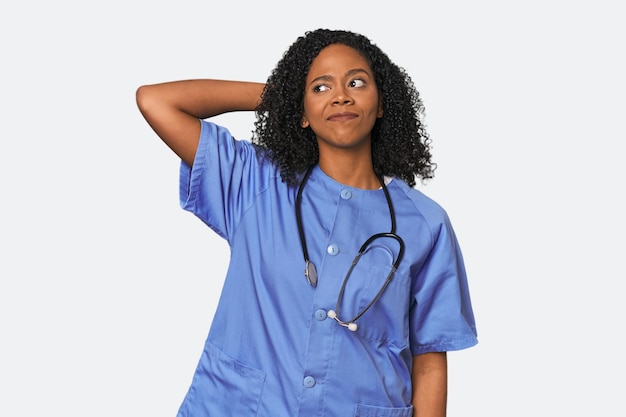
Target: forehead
pixel 337 58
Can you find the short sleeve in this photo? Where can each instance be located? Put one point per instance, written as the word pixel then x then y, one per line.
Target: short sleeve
pixel 441 318
pixel 224 181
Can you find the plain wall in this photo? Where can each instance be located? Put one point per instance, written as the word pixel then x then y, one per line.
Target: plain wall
pixel 107 287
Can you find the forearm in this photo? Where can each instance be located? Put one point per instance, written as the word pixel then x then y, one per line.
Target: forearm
pixel 204 98
pixel 430 384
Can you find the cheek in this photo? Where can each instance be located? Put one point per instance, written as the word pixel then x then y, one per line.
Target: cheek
pixel 312 109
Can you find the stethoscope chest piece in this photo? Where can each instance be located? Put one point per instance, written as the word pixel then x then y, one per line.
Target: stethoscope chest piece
pixel 310 272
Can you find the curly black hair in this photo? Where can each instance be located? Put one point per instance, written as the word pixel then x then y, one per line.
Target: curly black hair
pixel 400 143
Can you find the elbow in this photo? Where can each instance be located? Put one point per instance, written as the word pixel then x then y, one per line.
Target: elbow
pixel 143 98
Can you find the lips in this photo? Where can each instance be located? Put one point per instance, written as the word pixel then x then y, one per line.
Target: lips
pixel 342 117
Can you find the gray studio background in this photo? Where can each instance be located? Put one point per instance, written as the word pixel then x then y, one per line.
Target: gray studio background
pixel 107 287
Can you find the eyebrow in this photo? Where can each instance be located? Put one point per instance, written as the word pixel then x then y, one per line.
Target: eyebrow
pixel 347 74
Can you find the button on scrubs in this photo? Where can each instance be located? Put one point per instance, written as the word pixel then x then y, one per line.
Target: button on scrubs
pixel 272 350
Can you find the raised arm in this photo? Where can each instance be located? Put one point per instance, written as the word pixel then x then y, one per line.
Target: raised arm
pixel 173 109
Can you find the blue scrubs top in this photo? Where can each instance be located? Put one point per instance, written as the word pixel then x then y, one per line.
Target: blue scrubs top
pixel 272 350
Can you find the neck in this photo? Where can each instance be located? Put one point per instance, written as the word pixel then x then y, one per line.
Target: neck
pixel 357 173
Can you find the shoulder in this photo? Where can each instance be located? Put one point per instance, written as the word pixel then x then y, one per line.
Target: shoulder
pixel 426 206
pixel 213 132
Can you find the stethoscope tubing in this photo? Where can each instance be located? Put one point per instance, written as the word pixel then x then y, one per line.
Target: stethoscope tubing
pixel 310 270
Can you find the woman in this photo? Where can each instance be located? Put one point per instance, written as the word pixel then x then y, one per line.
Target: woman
pixel 325 186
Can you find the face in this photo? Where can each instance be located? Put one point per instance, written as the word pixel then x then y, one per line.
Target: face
pixel 341 100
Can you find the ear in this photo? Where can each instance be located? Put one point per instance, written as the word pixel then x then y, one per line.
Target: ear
pixel 380 108
pixel 305 122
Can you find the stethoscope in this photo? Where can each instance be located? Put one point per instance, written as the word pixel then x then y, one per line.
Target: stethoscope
pixel 310 271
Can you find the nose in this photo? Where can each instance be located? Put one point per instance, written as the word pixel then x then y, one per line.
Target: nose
pixel 342 96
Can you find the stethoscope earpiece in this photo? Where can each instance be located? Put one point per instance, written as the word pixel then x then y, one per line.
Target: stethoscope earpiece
pixel 351 326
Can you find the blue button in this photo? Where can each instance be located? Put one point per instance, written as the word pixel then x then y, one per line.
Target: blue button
pixel 346 194
pixel 332 250
pixel 320 314
pixel 309 382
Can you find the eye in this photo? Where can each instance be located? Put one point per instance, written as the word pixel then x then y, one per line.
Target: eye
pixel 357 83
pixel 320 87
